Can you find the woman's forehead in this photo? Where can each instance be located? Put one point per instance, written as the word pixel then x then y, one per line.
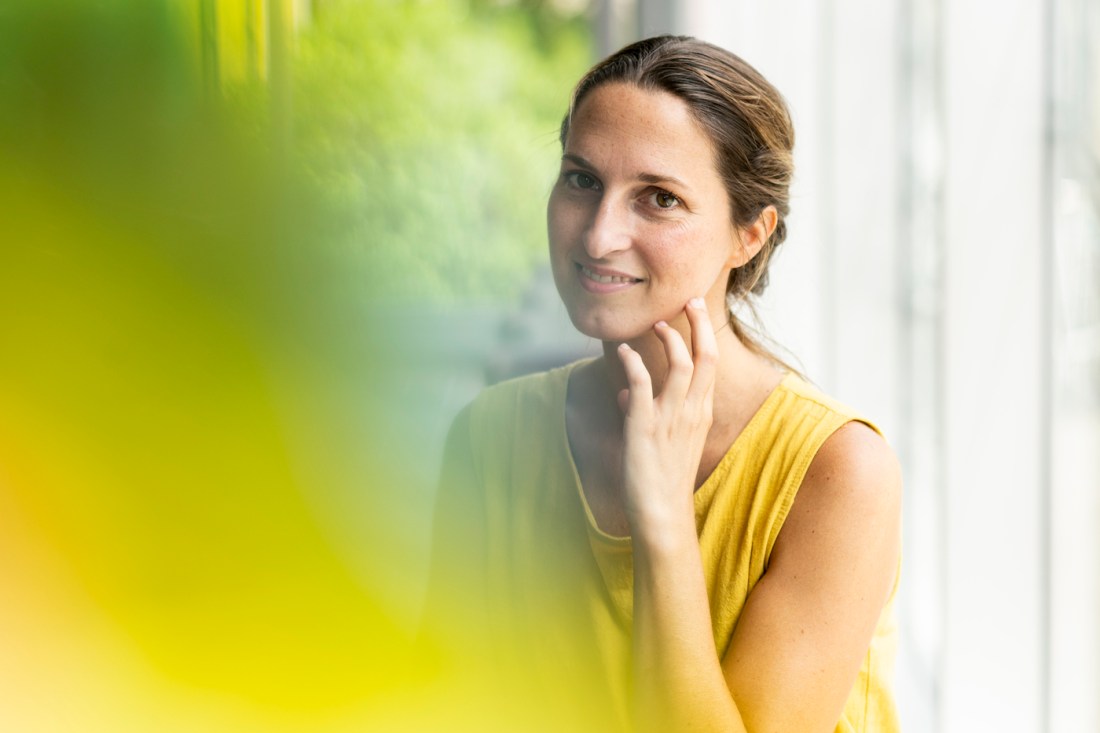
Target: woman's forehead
pixel 637 131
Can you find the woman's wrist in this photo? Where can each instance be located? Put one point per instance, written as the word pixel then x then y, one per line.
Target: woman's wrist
pixel 662 530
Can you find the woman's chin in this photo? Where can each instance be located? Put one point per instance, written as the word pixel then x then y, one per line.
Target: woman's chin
pixel 606 330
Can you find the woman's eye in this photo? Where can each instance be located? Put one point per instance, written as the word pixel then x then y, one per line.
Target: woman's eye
pixel 579 179
pixel 665 200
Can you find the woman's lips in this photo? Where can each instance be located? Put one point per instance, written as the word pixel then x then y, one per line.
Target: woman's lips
pixel 599 280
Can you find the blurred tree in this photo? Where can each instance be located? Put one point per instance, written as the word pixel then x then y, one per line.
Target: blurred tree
pixel 431 127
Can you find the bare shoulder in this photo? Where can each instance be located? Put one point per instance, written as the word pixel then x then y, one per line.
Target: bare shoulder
pixel 855 464
pixel 849 501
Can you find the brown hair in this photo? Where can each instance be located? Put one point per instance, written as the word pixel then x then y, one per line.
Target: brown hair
pixel 747 121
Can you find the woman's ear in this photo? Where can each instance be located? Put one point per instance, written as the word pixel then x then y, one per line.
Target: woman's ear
pixel 750 239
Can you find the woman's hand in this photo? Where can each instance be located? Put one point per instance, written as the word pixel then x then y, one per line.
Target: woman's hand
pixel 678 682
pixel 664 434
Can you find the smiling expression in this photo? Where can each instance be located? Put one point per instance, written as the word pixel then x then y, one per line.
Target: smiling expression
pixel 639 220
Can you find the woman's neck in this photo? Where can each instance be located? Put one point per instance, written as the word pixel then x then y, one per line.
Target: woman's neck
pixel 741 376
pixel 594 422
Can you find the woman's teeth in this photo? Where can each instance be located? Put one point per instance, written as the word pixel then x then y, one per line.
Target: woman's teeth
pixel 607 278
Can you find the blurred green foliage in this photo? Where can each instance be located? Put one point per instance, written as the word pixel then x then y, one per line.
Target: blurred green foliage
pixel 430 129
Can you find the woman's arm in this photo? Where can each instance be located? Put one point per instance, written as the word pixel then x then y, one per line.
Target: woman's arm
pixel 678 682
pixel 807 624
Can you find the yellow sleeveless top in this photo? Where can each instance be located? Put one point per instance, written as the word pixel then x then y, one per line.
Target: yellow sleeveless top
pixel 558 592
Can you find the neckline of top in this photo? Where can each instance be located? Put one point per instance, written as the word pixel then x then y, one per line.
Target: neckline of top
pixel 701 494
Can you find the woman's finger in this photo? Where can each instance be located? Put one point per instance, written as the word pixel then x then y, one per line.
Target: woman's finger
pixel 639 400
pixel 704 350
pixel 680 367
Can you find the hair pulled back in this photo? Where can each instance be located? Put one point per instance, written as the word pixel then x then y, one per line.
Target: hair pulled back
pixel 745 117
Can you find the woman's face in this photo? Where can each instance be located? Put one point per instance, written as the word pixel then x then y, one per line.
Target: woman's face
pixel 639 220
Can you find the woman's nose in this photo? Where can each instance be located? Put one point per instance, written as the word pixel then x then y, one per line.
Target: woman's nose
pixel 609 230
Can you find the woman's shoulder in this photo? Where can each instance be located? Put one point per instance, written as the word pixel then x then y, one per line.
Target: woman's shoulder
pixel 848 507
pixel 852 472
pixel 800 398
pixel 854 444
pixel 789 427
pixel 808 445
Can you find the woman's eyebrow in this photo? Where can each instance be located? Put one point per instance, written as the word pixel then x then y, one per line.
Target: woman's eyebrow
pixel 658 179
pixel 654 178
pixel 578 160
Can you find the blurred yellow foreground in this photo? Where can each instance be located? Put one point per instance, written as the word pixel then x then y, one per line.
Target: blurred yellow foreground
pixel 196 468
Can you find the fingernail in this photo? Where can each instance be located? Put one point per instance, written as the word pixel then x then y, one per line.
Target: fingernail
pixel 662 324
pixel 624 347
pixel 697 303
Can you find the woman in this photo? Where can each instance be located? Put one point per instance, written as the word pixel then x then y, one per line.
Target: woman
pixel 680 534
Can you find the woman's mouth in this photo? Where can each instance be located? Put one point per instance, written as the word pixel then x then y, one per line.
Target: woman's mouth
pixel 607 279
pixel 601 281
